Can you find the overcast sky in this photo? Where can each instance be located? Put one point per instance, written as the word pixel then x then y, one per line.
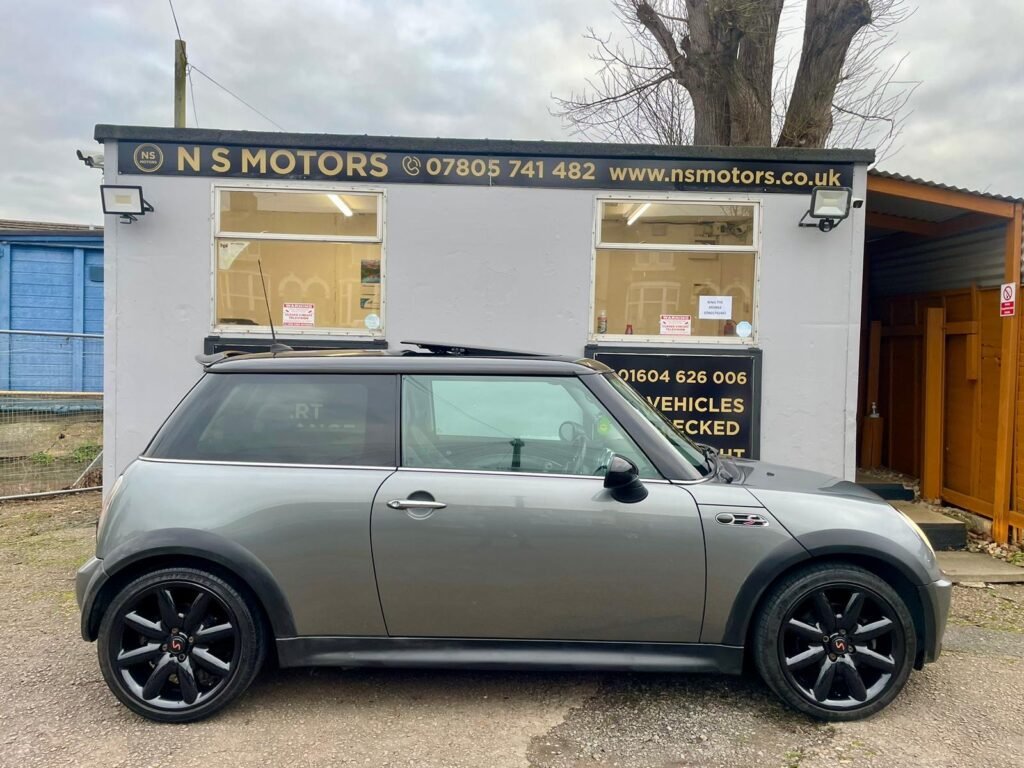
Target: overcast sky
pixel 457 68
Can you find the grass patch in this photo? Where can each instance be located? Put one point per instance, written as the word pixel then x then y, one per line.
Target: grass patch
pixel 86 452
pixel 42 459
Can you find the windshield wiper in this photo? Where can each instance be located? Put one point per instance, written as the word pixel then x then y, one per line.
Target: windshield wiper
pixel 712 461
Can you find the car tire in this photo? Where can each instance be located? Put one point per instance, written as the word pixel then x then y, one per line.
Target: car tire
pixel 829 653
pixel 178 674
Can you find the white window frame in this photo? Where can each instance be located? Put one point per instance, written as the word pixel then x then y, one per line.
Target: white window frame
pixel 307 187
pixel 623 339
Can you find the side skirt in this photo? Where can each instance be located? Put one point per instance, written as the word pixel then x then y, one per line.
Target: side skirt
pixel 450 653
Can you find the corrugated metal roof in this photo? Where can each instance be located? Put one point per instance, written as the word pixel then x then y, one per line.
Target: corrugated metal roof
pixel 12 227
pixel 939 185
pixel 938 264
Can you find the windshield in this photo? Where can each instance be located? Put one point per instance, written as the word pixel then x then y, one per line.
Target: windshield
pixel 683 445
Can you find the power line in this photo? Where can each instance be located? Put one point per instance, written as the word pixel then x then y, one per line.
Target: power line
pixel 188 71
pixel 175 17
pixel 188 68
pixel 239 98
pixel 195 112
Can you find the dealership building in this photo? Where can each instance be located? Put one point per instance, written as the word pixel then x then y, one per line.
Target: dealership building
pixel 696 273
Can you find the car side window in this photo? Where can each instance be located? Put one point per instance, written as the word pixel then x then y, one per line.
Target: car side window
pixel 284 419
pixel 532 424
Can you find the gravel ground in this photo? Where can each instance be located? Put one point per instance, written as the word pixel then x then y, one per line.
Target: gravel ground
pixel 963 711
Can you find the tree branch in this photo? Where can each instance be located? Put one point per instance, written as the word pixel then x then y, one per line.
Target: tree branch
pixel 655 24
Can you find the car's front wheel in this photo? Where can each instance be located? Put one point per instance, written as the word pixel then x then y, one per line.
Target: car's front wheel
pixel 178 644
pixel 835 641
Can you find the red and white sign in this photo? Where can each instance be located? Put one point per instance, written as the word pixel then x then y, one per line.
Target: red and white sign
pixel 675 325
pixel 1007 299
pixel 299 314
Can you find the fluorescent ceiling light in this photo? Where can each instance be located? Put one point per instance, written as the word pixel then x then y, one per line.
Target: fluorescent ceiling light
pixel 341 204
pixel 636 214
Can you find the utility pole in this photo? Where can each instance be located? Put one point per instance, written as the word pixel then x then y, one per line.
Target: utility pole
pixel 180 62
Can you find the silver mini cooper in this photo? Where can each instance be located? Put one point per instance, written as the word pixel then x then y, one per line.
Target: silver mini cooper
pixel 453 507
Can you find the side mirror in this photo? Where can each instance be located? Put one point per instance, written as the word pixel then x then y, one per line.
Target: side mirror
pixel 622 479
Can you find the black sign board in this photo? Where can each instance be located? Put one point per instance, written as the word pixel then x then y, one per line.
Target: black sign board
pixel 711 397
pixel 361 164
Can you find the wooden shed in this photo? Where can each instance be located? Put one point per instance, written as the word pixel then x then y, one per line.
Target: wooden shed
pixel 51 307
pixel 940 370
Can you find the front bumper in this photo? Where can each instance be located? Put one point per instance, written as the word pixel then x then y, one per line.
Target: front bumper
pixel 935 599
pixel 88 581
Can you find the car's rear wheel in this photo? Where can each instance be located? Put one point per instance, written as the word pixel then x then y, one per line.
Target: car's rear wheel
pixel 178 644
pixel 835 641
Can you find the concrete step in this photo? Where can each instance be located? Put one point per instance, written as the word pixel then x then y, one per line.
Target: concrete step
pixel 978 568
pixel 945 533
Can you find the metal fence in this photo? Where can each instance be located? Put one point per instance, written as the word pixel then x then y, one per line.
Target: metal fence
pixel 51 427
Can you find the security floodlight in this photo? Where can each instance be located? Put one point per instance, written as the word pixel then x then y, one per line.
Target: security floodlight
pixel 829 205
pixel 124 201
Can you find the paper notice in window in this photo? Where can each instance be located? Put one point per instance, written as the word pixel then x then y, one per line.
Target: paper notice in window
pixel 674 325
pixel 715 308
pixel 300 315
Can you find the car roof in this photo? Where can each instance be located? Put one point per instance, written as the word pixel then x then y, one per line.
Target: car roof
pixel 430 358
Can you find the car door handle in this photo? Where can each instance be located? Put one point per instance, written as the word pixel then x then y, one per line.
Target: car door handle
pixel 416 504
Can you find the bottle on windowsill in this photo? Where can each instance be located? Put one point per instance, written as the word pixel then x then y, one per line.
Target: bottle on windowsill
pixel 629 329
pixel 602 322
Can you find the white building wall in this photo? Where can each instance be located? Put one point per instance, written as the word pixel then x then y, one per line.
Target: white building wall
pixel 491 266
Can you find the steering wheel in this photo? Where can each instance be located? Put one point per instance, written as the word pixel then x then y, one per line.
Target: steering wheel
pixel 580 445
pixel 574 434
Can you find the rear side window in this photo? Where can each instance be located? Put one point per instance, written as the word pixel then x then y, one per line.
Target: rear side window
pixel 276 418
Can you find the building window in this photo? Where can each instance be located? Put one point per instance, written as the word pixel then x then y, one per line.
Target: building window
pixel 675 271
pixel 321 254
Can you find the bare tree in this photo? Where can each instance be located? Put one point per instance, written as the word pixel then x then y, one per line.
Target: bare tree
pixel 705 71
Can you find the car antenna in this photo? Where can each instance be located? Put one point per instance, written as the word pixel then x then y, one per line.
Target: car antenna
pixel 275 347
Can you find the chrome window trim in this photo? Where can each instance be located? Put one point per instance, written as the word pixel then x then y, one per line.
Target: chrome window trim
pixel 519 474
pixel 389 469
pixel 705 479
pixel 264 464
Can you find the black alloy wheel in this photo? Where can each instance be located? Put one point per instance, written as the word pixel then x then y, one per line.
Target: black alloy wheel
pixel 836 642
pixel 178 644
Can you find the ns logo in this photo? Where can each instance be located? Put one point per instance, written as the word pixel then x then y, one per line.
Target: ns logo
pixel 148 158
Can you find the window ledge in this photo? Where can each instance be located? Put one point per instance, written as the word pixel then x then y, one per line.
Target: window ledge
pixel 593 348
pixel 633 340
pixel 249 344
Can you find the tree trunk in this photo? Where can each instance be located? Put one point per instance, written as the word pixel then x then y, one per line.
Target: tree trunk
pixel 710 116
pixel 830 27
pixel 749 66
pixel 725 62
pixel 705 81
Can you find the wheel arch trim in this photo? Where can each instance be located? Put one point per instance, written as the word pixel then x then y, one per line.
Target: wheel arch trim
pixel 758 581
pixel 858 547
pixel 190 545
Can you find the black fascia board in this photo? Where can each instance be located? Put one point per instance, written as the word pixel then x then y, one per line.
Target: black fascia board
pixel 412 144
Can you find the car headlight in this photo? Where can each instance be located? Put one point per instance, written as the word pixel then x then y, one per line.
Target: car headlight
pixel 917 529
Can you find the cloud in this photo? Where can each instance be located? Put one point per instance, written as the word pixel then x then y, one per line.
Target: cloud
pixel 963 126
pixel 474 68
